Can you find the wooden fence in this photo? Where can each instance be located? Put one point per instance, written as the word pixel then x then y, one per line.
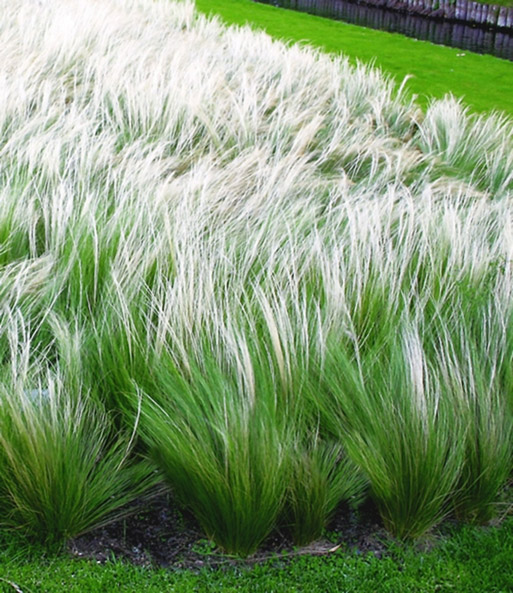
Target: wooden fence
pixel 465 11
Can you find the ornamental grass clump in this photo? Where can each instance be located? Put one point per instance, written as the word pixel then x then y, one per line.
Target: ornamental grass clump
pixel 470 361
pixel 224 448
pixel 322 478
pixel 64 469
pixel 400 428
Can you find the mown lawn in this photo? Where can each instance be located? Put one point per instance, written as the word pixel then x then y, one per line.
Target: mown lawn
pixel 498 2
pixel 484 82
pixel 473 560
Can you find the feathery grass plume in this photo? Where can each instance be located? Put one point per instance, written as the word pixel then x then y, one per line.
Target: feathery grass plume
pixel 471 147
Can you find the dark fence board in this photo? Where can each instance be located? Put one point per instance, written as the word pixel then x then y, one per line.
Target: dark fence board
pixel 466 11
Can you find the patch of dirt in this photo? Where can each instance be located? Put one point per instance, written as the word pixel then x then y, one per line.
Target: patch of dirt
pixel 159 534
pixel 361 530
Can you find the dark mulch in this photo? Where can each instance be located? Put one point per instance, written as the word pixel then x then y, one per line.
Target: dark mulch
pixel 159 534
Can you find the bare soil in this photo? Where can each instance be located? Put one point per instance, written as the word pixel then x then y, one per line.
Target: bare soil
pixel 157 533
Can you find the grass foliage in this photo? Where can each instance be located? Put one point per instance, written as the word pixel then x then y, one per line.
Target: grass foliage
pixel 232 467
pixel 263 267
pixel 63 468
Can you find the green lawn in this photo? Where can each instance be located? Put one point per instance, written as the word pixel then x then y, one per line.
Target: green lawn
pixel 497 2
pixel 484 82
pixel 474 560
